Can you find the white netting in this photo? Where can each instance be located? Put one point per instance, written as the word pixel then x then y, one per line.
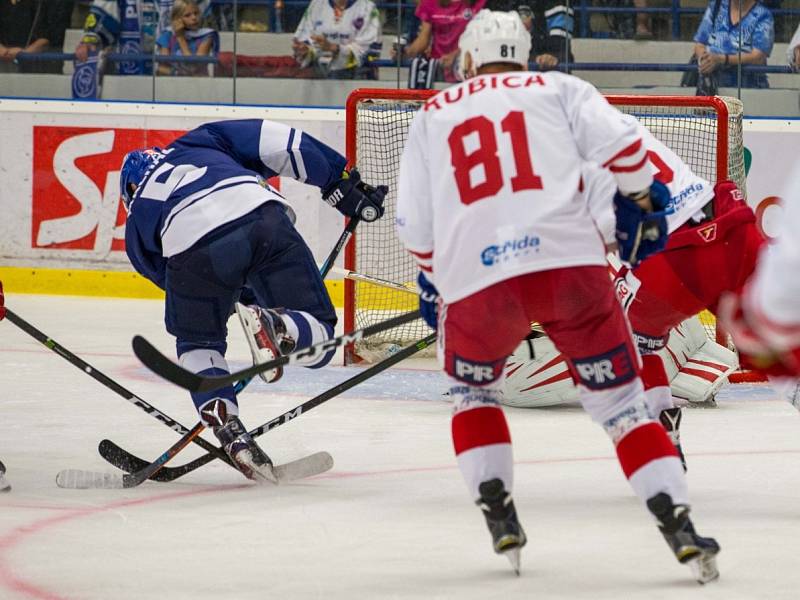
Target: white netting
pixel 690 126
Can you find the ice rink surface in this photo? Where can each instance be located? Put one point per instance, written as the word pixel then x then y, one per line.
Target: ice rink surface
pixel 391 520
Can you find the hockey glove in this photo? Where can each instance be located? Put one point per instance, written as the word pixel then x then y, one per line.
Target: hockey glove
pixel 354 198
pixel 761 345
pixel 428 301
pixel 641 233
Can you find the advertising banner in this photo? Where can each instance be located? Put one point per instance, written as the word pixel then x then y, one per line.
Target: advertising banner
pixel 59 176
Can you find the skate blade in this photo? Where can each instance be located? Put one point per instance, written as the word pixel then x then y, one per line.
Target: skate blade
pixel 76 479
pixel 260 355
pixel 704 568
pixel 260 473
pixel 513 556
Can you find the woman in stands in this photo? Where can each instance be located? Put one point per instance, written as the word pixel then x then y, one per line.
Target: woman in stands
pixel 717 41
pixel 186 38
pixel 443 22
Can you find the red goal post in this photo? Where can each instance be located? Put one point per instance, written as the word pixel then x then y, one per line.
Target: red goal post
pixel 706 132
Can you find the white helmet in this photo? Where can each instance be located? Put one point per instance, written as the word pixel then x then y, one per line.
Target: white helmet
pixel 492 37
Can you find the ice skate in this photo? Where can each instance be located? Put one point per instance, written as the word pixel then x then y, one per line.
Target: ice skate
pixel 251 460
pixel 671 420
pixel 266 336
pixel 689 548
pixel 4 485
pixel 508 538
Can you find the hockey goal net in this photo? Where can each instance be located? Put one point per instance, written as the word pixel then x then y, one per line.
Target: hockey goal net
pixel 706 132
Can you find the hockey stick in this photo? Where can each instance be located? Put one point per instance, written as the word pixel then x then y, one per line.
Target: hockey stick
pixel 164 367
pixel 348 274
pixel 340 243
pixel 126 461
pixel 110 383
pixel 81 480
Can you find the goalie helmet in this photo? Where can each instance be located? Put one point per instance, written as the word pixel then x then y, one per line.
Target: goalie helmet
pixel 493 37
pixel 134 167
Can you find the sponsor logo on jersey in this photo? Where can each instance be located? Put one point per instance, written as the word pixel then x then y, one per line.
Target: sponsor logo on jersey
pixel 681 197
pixel 606 370
pixel 509 250
pixel 648 344
pixel 708 233
pixel 470 371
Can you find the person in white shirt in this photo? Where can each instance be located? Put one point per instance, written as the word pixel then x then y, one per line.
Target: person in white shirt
pixel 338 37
pixel 793 50
pixel 489 205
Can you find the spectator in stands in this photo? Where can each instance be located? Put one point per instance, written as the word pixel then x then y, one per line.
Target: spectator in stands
pixel 793 51
pixel 443 22
pixel 185 37
pixel 717 45
pixel 550 23
pixel 32 26
pixel 643 22
pixel 112 23
pixel 339 38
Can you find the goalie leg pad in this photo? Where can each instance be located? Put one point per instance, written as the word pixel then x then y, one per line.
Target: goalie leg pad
pixel 481 438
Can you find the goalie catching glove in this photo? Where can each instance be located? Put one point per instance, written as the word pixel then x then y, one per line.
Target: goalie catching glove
pixel 640 232
pixel 354 198
pixel 428 301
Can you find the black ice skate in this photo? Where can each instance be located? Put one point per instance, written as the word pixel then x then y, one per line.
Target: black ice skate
pixel 266 336
pixel 251 460
pixel 4 485
pixel 508 538
pixel 671 420
pixel 689 548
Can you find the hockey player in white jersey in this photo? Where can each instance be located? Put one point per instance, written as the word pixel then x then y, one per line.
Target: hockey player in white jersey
pixel 4 485
pixel 489 206
pixel 764 317
pixel 204 225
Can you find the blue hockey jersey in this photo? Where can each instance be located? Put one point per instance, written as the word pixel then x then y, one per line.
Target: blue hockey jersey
pixel 211 176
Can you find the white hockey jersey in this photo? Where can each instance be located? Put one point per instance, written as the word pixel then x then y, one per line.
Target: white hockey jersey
pixel 689 191
pixel 357 31
pixel 773 294
pixel 489 177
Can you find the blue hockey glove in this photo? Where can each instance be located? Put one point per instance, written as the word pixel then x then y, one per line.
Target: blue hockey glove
pixel 641 233
pixel 428 301
pixel 354 198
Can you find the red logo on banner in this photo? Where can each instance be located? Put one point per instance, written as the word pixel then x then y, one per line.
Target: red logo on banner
pixel 76 202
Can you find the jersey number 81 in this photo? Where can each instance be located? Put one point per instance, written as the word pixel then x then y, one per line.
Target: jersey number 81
pixel 485 155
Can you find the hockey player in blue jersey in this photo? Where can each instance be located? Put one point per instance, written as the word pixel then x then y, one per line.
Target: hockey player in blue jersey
pixel 204 225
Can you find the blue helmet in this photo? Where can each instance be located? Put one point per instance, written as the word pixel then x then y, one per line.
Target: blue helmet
pixel 134 167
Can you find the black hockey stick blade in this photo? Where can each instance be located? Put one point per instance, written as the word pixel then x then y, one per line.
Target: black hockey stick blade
pixel 126 461
pixel 81 480
pixel 152 358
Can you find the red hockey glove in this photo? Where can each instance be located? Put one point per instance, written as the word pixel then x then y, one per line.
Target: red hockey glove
pixel 756 349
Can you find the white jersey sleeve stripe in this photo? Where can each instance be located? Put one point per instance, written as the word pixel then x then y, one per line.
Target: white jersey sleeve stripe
pixel 273 148
pixel 297 156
